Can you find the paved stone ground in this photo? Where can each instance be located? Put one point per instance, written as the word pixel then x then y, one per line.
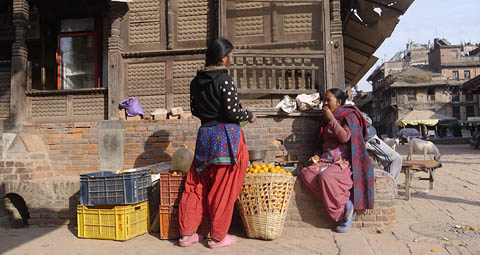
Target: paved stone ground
pixel 422 223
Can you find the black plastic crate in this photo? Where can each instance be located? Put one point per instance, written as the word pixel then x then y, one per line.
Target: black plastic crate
pixel 108 188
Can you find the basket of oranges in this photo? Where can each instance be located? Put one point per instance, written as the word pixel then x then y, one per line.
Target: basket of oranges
pixel 263 200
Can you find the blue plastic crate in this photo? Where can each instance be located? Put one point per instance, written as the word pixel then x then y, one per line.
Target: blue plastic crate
pixel 108 188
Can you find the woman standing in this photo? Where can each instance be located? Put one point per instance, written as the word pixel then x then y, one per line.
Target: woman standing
pixel 221 157
pixel 343 153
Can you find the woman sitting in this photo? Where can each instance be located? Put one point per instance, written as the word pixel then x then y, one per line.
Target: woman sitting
pixel 343 152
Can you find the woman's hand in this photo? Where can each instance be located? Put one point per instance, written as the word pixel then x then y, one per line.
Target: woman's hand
pixel 314 159
pixel 327 113
pixel 253 119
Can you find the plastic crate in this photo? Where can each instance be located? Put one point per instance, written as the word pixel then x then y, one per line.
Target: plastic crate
pixel 113 222
pixel 171 188
pixel 108 188
pixel 169 225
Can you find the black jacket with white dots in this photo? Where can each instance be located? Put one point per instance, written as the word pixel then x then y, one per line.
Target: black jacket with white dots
pixel 214 99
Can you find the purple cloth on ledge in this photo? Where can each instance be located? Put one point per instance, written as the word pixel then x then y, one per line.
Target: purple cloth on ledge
pixel 132 107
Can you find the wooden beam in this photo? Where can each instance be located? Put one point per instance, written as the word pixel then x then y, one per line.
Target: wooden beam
pixel 400 11
pixel 222 18
pixel 276 91
pixel 172 24
pixel 19 63
pixel 169 84
pixel 280 1
pixel 116 79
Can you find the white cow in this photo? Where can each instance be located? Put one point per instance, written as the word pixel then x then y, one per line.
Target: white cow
pixel 391 142
pixel 419 145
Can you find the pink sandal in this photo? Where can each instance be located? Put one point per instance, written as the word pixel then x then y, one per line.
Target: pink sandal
pixel 195 238
pixel 227 241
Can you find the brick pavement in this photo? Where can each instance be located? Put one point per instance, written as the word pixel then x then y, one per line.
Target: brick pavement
pixel 421 223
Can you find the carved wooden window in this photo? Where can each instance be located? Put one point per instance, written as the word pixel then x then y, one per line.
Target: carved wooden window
pixel 276 73
pixel 470 111
pixel 77 55
pixel 455 75
pixel 431 94
pixel 267 22
pixel 455 94
pixel 412 94
pixel 469 97
pixel 147 25
pixel 279 45
pixel 456 112
pixel 193 23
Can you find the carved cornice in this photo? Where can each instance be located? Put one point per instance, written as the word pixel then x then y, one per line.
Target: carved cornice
pixel 115 42
pixel 20 9
pixel 335 17
pixel 19 50
pixel 20 22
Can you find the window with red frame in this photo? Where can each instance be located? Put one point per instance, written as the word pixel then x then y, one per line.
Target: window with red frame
pixel 77 55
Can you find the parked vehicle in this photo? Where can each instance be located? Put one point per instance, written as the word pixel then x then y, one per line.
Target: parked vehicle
pixel 475 140
pixel 408 132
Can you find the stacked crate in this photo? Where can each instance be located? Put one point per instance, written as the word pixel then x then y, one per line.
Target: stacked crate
pixel 114 206
pixel 172 185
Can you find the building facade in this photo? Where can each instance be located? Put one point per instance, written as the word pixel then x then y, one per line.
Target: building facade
pixel 434 86
pixel 66 65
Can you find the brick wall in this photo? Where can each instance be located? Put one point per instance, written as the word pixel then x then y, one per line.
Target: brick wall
pixel 44 162
pixel 47 159
pixel 71 148
pixel 305 210
pixel 151 142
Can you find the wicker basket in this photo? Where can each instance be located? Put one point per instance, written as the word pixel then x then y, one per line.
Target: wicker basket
pixel 263 204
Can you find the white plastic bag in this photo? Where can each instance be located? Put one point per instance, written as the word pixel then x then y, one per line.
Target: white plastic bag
pixel 287 105
pixel 307 102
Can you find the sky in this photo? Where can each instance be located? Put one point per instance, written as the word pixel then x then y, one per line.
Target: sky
pixel 455 20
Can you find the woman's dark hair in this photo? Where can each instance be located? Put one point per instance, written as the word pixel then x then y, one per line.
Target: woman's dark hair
pixel 217 49
pixel 339 94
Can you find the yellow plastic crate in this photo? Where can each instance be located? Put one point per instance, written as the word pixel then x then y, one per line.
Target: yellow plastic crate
pixel 113 222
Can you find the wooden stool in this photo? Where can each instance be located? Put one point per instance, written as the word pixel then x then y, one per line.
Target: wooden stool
pixel 418 165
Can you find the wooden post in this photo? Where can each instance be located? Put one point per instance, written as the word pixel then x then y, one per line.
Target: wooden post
pixel 19 65
pixel 336 46
pixel 116 80
pixel 222 18
pixel 431 178
pixel 169 84
pixel 172 24
pixel 274 24
pixel 408 181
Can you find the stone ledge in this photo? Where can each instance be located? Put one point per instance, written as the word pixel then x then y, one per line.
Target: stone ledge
pixel 305 210
pixel 53 201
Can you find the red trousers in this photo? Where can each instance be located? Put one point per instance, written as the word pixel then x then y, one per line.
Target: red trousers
pixel 332 186
pixel 213 191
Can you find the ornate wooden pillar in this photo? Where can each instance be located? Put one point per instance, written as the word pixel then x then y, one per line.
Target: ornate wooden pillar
pixel 172 7
pixel 18 82
pixel 116 79
pixel 336 46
